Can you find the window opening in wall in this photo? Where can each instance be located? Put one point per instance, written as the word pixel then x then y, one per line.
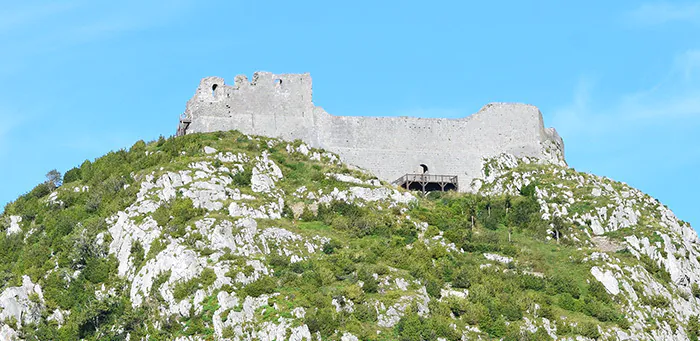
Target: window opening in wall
pixel 425 168
pixel 278 82
pixel 213 89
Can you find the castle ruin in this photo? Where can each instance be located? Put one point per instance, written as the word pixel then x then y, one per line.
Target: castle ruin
pixel 280 105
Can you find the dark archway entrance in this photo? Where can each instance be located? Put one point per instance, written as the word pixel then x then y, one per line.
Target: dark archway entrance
pixel 425 168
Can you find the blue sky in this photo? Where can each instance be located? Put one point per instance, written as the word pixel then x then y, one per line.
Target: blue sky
pixel 619 80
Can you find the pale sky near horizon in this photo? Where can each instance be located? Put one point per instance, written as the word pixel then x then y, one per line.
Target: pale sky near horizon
pixel 620 81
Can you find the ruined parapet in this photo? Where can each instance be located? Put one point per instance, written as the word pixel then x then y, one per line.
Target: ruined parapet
pixel 281 106
pixel 270 105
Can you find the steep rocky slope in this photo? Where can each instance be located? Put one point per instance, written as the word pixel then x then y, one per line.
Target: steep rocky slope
pixel 227 236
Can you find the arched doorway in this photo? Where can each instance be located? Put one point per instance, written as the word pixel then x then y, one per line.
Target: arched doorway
pixel 424 167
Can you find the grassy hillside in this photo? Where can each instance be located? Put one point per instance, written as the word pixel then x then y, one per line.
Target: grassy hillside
pixel 227 236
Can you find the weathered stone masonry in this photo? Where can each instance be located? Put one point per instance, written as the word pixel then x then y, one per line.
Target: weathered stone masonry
pixel 281 106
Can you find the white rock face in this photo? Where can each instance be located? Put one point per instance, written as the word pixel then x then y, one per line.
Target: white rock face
pixel 300 333
pixel 59 316
pixel 183 264
pixel 25 303
pixel 14 225
pixel 299 312
pixel 265 174
pixel 348 337
pixel 240 321
pixel 607 278
pixel 354 180
pixel 271 210
pixel 391 317
pixel 343 304
pixel 445 293
pixel 209 187
pixel 53 199
pixel 498 258
pixel 7 333
pixel 125 233
pixel 358 194
pixel 401 283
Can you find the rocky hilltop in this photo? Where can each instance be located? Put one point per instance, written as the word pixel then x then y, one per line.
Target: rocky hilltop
pixel 227 236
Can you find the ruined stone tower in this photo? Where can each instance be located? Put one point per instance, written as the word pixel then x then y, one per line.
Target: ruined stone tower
pixel 281 106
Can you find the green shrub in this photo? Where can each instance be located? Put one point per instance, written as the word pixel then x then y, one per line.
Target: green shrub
pixel 74 174
pixel 307 215
pixel 431 232
pixel 601 311
pixel 597 290
pixel 365 313
pixel 693 328
pixel 510 310
pixel 97 270
pixel 184 289
pixel 568 302
pixel 531 282
pixel 563 328
pixel 156 247
pixel 410 327
pixel 183 211
pixel 589 330
pixel 265 285
pixel 93 202
pixel 137 254
pixel 652 267
pixel 461 280
pixel 208 277
pixel 330 246
pixel 277 261
pixel 243 178
pixel 433 287
pixel 494 327
pixel 563 284
pixel 656 301
pixel 158 282
pixel 370 285
pixel 322 321
pixel 40 191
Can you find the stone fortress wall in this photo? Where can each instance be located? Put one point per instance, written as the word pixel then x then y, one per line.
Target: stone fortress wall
pixel 281 106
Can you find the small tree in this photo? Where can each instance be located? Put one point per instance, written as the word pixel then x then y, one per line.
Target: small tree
pixel 558 226
pixel 54 179
pixel 472 206
pixel 510 233
pixel 508 203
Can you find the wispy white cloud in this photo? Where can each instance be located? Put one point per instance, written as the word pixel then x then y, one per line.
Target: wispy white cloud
pixel 688 63
pixel 673 100
pixel 663 12
pixel 648 137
